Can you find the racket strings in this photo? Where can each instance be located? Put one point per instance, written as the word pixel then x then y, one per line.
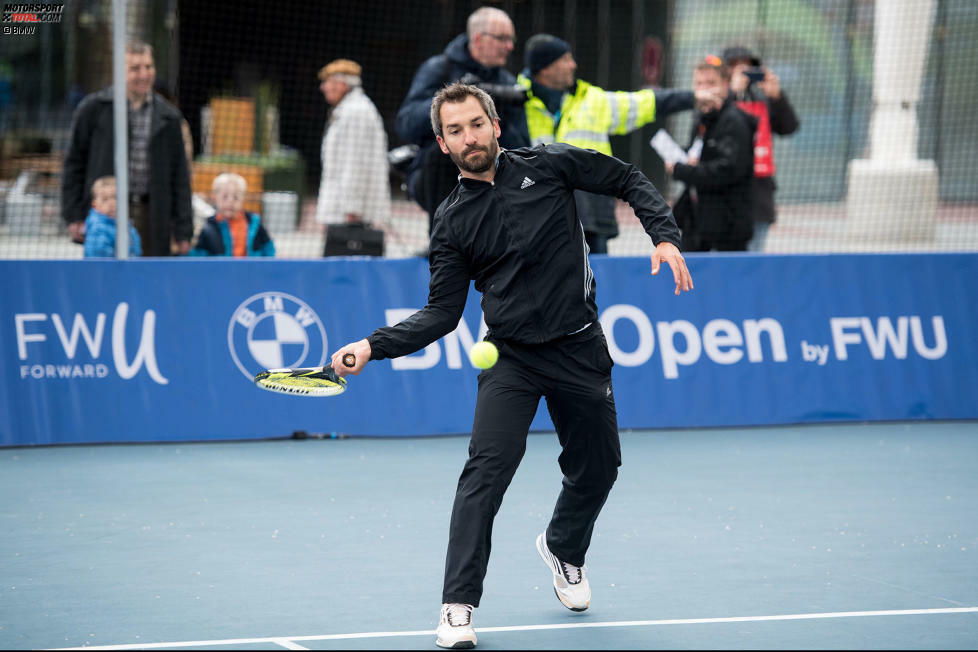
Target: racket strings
pixel 303 381
pixel 317 382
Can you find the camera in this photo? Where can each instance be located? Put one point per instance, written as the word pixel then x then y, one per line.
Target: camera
pixel 500 93
pixel 400 158
pixel 754 74
pixel 399 161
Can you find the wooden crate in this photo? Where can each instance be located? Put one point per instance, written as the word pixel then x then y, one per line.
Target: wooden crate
pixel 232 125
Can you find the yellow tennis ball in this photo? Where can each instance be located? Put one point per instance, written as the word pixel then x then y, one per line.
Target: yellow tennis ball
pixel 483 354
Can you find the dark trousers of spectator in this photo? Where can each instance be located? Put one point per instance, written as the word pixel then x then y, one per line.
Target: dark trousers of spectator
pixel 139 217
pixel 573 373
pixel 437 178
pixel 597 243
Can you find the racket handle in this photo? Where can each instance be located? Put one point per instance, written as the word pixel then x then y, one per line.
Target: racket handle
pixel 349 360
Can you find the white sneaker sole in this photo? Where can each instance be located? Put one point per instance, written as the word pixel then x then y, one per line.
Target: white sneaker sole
pixel 457 645
pixel 545 556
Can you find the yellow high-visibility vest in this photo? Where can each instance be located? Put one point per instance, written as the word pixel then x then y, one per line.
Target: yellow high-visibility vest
pixel 587 116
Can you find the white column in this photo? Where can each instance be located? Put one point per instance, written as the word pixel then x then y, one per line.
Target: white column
pixel 903 29
pixel 893 194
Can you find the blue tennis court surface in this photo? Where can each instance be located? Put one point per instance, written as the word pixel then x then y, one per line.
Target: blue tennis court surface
pixel 809 537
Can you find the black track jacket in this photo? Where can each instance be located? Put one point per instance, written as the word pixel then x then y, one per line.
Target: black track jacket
pixel 519 238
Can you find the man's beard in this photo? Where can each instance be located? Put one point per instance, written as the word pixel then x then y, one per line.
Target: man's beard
pixel 480 162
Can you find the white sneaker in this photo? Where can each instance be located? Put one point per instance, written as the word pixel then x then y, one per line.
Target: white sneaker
pixel 455 626
pixel 570 582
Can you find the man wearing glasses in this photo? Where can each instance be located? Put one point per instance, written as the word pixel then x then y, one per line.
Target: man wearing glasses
pixel 479 56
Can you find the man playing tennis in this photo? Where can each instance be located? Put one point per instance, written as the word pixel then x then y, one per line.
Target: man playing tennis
pixel 511 225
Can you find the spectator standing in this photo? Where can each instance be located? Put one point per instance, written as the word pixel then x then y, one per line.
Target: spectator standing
pixel 200 209
pixel 715 209
pixel 159 176
pixel 479 55
pixel 188 138
pixel 231 231
pixel 757 90
pixel 355 184
pixel 100 225
pixel 505 226
pixel 560 109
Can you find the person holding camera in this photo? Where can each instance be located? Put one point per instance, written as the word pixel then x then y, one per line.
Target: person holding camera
pixel 479 56
pixel 715 211
pixel 562 109
pixel 757 90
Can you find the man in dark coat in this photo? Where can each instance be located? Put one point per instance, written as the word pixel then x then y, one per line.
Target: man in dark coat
pixel 715 211
pixel 159 175
pixel 758 91
pixel 476 57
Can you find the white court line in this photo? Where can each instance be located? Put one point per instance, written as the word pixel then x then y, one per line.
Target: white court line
pixel 288 641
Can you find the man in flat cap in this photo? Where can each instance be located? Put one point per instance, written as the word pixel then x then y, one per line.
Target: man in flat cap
pixel 562 109
pixel 355 186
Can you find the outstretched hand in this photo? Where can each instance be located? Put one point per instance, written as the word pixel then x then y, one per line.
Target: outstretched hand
pixel 668 253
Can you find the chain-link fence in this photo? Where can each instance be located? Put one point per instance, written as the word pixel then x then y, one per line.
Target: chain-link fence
pixel 883 159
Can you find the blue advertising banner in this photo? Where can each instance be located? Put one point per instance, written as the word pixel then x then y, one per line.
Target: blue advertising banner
pixel 165 350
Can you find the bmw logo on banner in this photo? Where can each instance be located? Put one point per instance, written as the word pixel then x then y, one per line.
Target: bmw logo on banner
pixel 274 330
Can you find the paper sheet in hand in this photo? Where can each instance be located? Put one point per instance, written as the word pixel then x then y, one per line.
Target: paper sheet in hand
pixel 667 149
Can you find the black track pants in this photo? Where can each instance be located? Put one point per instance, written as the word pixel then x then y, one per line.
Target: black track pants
pixel 574 375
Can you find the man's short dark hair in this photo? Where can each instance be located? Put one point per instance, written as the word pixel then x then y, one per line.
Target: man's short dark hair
pixel 136 46
pixel 456 93
pixel 715 63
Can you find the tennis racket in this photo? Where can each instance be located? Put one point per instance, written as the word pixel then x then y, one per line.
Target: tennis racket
pixel 305 381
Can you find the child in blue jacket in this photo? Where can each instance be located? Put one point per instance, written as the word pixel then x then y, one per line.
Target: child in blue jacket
pixel 100 223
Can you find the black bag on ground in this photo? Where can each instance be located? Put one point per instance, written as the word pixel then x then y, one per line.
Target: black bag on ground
pixel 353 240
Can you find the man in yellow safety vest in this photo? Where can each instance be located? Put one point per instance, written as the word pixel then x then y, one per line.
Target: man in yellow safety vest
pixel 562 110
